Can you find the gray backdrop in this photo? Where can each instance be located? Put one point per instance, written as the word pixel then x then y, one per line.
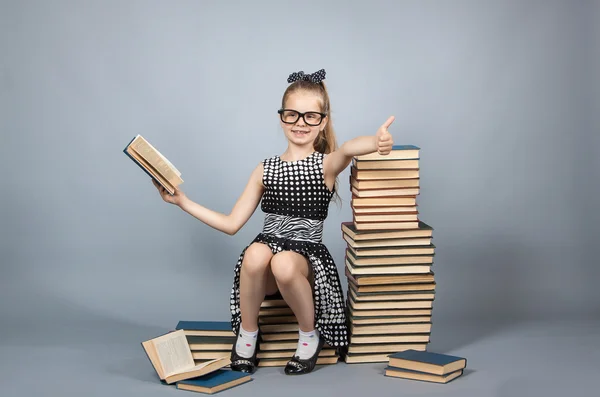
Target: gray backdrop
pixel 500 96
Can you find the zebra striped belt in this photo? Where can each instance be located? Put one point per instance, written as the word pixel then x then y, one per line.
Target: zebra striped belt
pixel 290 227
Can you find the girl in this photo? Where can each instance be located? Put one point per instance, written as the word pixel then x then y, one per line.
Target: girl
pixel 288 256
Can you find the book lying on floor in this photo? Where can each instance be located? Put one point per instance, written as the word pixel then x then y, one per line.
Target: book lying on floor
pixel 172 359
pixel 153 163
pixel 214 382
pixel 425 366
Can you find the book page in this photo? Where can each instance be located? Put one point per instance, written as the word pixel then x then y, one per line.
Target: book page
pixel 165 159
pixel 144 149
pixel 169 164
pixel 149 169
pixel 218 362
pixel 174 353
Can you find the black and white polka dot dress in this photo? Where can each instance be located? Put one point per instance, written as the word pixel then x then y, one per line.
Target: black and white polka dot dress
pixel 296 203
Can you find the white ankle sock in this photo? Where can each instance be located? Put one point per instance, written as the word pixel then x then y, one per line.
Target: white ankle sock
pixel 307 344
pixel 246 343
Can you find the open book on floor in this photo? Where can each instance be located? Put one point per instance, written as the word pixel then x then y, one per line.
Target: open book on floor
pixel 172 358
pixel 153 163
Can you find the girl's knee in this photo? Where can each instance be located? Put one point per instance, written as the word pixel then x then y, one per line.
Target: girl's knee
pixel 256 258
pixel 287 266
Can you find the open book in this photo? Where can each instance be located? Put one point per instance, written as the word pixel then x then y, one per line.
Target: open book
pixel 172 359
pixel 153 163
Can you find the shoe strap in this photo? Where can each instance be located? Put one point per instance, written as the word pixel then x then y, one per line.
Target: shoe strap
pixel 243 361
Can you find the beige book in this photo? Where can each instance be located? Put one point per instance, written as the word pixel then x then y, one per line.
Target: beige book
pixel 390 338
pixel 378 312
pixel 400 209
pixel 287 354
pixel 361 175
pixel 384 183
pixel 392 251
pixel 154 163
pixel 394 201
pixel 413 296
pixel 418 328
pixel 408 192
pixel 386 217
pixel 400 164
pixel 401 373
pixel 280 362
pixel 172 358
pixel 389 320
pixel 378 226
pixel 397 242
pixel 392 287
pixel 388 269
pixel 387 348
pixel 366 358
pixel 423 231
pixel 397 305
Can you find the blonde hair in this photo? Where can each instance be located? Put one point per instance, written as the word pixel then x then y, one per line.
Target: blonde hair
pixel 326 141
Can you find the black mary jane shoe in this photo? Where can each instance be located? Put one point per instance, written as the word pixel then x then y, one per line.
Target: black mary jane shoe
pixel 243 364
pixel 297 366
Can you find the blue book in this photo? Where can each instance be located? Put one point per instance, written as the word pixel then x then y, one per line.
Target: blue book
pixel 214 382
pixel 405 147
pixel 399 152
pixel 427 362
pixel 206 328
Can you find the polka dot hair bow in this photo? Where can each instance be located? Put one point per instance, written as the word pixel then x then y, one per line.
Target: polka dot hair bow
pixel 315 77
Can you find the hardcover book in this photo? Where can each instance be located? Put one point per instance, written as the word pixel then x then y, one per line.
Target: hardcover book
pixel 399 152
pixel 214 382
pixel 172 358
pixel 429 362
pixel 153 163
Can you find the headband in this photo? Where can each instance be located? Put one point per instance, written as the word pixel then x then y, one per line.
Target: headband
pixel 315 77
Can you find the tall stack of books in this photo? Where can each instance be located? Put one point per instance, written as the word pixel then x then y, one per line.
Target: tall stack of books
pixel 388 258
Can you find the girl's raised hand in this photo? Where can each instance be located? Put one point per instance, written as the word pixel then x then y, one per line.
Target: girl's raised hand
pixel 167 197
pixel 384 138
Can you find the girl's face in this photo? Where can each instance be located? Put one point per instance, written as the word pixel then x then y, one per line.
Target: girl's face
pixel 304 130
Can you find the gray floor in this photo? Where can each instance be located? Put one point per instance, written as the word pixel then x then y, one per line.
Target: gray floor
pixel 86 358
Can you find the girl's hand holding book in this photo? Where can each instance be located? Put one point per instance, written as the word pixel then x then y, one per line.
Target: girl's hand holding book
pixel 176 199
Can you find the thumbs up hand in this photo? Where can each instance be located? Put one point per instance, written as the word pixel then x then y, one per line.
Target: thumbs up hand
pixel 384 138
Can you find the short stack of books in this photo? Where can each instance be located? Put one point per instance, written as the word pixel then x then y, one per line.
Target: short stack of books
pixel 209 340
pixel 388 259
pixel 425 366
pixel 279 335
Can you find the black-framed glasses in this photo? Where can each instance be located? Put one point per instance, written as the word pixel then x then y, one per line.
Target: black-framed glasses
pixel 291 116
